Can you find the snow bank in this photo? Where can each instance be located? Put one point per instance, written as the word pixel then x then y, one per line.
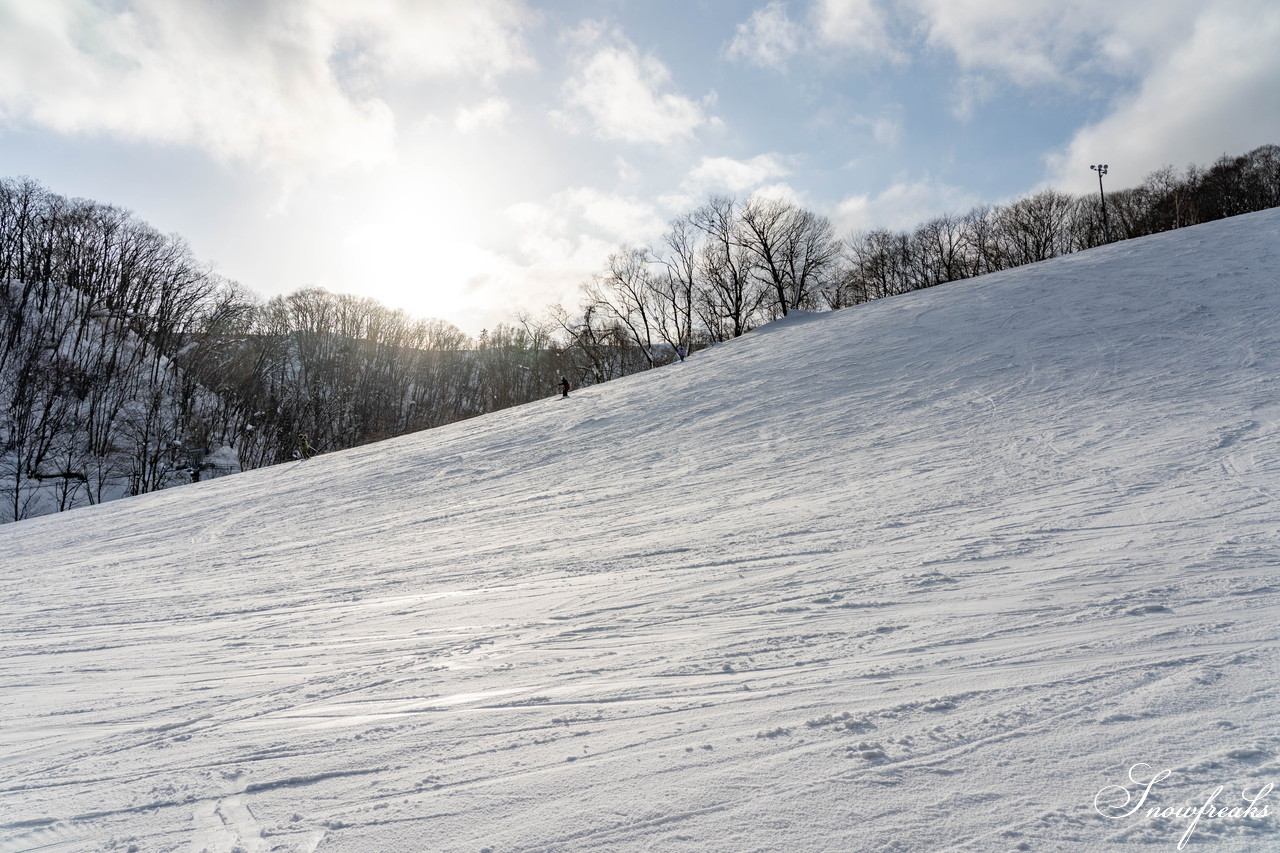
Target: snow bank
pixel 955 570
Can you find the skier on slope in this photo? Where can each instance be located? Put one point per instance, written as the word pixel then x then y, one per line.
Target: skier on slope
pixel 564 386
pixel 304 446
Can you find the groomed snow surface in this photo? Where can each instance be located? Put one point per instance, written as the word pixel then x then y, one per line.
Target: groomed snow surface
pixel 926 574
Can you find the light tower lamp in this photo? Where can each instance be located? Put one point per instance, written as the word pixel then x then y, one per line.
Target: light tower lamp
pixel 1102 170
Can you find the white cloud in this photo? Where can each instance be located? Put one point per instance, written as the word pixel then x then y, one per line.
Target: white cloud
pixel 901 206
pixel 627 173
pixel 782 192
pixel 969 92
pixel 492 112
pixel 725 174
pixel 289 84
pixel 769 38
pixel 855 25
pixel 1025 39
pixel 625 94
pixel 451 38
pixel 1031 42
pixel 886 128
pixel 1194 77
pixel 1216 93
pixel 615 217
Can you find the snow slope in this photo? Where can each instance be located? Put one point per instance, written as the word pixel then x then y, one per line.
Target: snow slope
pixel 925 574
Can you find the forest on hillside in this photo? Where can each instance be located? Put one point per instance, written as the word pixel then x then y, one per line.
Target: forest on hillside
pixel 127 365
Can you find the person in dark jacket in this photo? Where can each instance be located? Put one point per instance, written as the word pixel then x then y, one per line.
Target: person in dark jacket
pixel 564 386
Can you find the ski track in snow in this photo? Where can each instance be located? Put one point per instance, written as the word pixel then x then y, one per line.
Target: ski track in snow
pixel 925 574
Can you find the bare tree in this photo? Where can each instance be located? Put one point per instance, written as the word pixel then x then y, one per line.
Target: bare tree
pixel 938 251
pixel 729 295
pixel 675 286
pixel 981 242
pixel 794 250
pixel 1037 227
pixel 878 263
pixel 624 295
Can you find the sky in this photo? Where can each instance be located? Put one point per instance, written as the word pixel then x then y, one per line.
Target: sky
pixel 473 159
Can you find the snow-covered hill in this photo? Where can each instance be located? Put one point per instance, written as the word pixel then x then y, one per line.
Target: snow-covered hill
pixel 927 574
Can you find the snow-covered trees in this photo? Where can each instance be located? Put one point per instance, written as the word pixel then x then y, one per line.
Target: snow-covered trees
pixel 93 305
pixel 127 366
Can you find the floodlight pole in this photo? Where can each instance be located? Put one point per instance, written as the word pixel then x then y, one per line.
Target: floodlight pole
pixel 1102 170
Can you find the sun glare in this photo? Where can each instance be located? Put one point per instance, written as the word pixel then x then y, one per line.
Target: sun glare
pixel 414 246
